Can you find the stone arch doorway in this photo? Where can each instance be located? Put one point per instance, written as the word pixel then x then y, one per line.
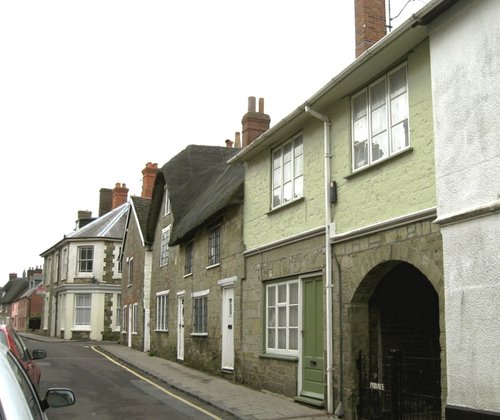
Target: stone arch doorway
pixel 399 349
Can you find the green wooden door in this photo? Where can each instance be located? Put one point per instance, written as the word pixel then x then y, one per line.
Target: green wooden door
pixel 312 345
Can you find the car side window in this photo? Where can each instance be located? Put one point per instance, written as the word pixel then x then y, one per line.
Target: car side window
pixel 26 388
pixel 3 338
pixel 21 347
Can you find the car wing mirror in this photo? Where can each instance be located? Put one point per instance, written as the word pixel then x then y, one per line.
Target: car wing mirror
pixel 58 397
pixel 39 354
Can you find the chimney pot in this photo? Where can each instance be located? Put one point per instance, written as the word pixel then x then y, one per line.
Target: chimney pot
pixel 254 124
pixel 120 193
pixel 229 143
pixel 237 140
pixel 251 104
pixel 148 179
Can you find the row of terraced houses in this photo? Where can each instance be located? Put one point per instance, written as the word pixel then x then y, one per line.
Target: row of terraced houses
pixel 347 256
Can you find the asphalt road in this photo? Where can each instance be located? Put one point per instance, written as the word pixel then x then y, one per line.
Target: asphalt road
pixel 105 390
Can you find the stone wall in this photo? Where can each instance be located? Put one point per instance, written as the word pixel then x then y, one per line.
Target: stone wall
pixel 359 265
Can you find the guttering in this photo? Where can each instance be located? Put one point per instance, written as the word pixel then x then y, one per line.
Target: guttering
pixel 328 256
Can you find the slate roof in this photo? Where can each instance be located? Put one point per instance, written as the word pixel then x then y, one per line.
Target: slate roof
pixel 201 184
pixel 110 225
pixel 141 207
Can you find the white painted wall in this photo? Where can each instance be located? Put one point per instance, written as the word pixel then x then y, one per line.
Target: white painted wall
pixel 465 67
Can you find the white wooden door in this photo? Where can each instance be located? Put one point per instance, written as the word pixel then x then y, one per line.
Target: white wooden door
pixel 180 327
pixel 227 328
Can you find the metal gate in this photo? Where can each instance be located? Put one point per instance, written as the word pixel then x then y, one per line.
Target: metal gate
pixel 399 388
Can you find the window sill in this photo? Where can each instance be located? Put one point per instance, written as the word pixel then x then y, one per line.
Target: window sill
pixel 188 275
pixel 365 169
pixel 279 357
pixel 199 335
pixel 85 328
pixel 161 331
pixel 213 266
pixel 286 205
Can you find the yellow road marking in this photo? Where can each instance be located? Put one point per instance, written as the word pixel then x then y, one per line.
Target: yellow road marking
pixel 158 386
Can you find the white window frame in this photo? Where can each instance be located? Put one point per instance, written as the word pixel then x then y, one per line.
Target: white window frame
pixel 167 207
pixel 83 310
pixel 200 313
pixel 380 120
pixel 85 260
pixel 130 271
pixel 64 263
pixel 214 245
pixel 118 322
pixel 135 318
pixel 282 317
pixel 287 172
pixel 165 237
pixel 162 311
pixel 124 319
pixel 188 258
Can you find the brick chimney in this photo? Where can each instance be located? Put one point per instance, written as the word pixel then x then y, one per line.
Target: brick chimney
pixel 229 144
pixel 12 276
pixel 370 23
pixel 254 123
pixel 148 179
pixel 105 200
pixel 120 193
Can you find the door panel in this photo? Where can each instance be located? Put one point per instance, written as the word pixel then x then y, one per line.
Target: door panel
pixel 180 327
pixel 313 384
pixel 227 328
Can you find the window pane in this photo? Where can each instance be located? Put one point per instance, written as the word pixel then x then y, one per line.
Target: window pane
pixel 282 338
pixel 282 293
pixel 277 177
pixel 360 129
pixel 276 197
pixel 397 81
pixel 294 316
pixel 271 296
pixel 399 109
pixel 400 136
pixel 360 154
pixel 298 166
pixel 271 317
pixel 287 153
pixel 294 293
pixel 299 187
pixel 294 339
pixel 380 146
pixel 282 316
pixel 287 171
pixel 287 192
pixel 271 338
pixel 359 106
pixel 379 120
pixel 377 95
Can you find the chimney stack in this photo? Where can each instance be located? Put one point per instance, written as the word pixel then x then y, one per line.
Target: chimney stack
pixel 148 179
pixel 229 144
pixel 254 123
pixel 120 193
pixel 84 218
pixel 370 23
pixel 237 140
pixel 12 276
pixel 105 201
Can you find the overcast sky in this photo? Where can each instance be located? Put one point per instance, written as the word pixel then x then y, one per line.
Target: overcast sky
pixel 90 91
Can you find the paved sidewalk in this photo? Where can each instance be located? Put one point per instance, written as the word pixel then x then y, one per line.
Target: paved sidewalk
pixel 238 400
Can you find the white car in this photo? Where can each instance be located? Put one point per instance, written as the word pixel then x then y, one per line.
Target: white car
pixel 18 397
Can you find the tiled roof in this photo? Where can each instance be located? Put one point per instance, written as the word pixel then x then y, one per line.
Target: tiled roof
pixel 141 207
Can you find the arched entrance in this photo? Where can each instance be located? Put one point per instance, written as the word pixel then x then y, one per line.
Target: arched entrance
pixel 399 368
